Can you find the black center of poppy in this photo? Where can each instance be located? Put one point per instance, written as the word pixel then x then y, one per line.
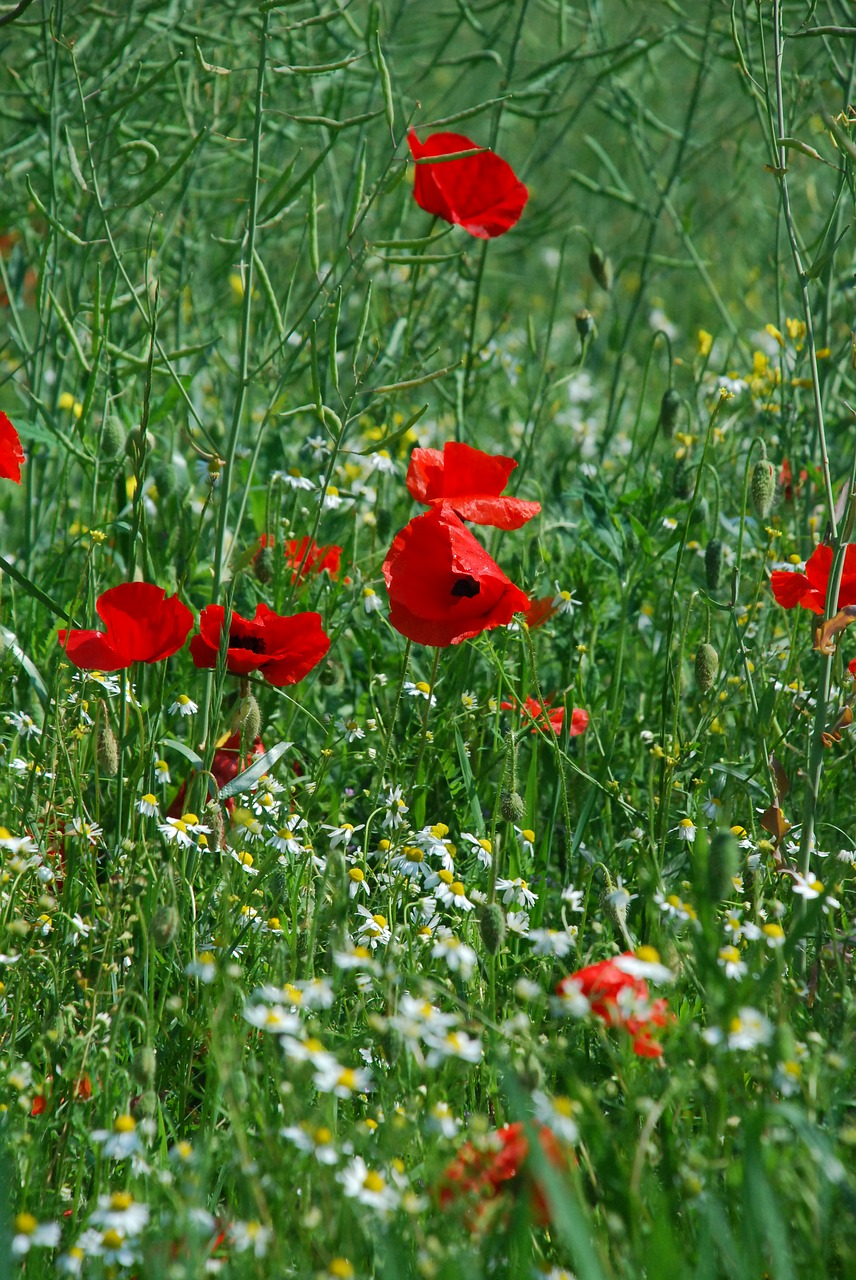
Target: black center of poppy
pixel 254 643
pixel 465 588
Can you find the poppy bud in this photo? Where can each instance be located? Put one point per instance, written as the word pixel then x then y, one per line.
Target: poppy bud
pixel 277 884
pixel 492 927
pixel 670 407
pixel 383 524
pixel 164 477
pixel 706 666
pixel 113 437
pixel 511 806
pixel 106 746
pixel 682 479
pixel 143 1066
pixel 214 819
pixel 165 922
pixel 248 719
pixel 762 487
pixel 601 268
pixel 713 564
pixel 263 566
pixel 722 862
pixel 615 907
pixel 138 444
pixel 584 321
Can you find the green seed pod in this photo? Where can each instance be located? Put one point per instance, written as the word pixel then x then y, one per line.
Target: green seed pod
pixel 722 861
pixel 670 407
pixel 511 806
pixel 713 564
pixel 492 927
pixel 164 927
pixel 263 567
pixel 601 268
pixel 706 666
pixel 250 719
pixel 106 745
pixel 137 444
pixel 113 437
pixel 584 320
pixel 762 487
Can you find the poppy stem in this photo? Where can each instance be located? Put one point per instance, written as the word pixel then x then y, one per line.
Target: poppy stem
pixel 388 743
pixel 554 737
pixel 424 737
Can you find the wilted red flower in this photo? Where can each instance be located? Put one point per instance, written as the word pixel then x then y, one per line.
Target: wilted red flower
pixel 809 589
pixel 443 586
pixel 471 482
pixel 481 193
pixel 621 1000
pixel 283 649
pixel 555 716
pixel 317 558
pixel 480 1173
pixel 143 625
pixel 11 453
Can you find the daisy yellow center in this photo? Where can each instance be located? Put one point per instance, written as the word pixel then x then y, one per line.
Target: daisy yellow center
pixel 457 889
pixel 347 1079
pixel 148 798
pixel 423 686
pixel 446 876
pixel 380 921
pixel 121 1200
pixel 124 1124
pixel 412 854
pixel 323 1136
pixel 313 1046
pixel 246 859
pixel 439 830
pixel 648 954
pixel 112 1239
pixel 486 845
pixel 356 874
pixel 373 1181
pixel 25 1224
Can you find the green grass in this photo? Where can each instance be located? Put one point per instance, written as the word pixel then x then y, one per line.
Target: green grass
pixel 223 311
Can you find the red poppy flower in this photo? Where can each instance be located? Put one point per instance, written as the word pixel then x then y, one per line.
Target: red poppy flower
pixel 471 482
pixel 555 716
pixel 443 586
pixel 482 1173
pixel 283 649
pixel 143 625
pixel 317 558
pixel 621 1000
pixel 809 589
pixel 481 193
pixel 11 453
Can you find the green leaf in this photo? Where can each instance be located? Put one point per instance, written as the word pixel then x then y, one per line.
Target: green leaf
pixel 184 750
pixel 250 776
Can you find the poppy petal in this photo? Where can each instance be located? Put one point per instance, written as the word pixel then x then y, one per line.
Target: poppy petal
pixel 481 192
pixel 91 651
pixel 11 452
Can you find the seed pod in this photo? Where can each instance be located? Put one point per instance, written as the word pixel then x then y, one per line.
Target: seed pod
pixel 113 437
pixel 584 320
pixel 762 487
pixel 263 567
pixel 722 859
pixel 165 923
pixel 713 564
pixel 670 407
pixel 106 745
pixel 137 444
pixel 601 268
pixel 511 806
pixel 492 927
pixel 248 719
pixel 706 666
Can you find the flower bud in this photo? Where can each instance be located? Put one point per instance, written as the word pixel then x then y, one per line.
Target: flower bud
pixel 263 565
pixel 163 474
pixel 706 666
pixel 165 923
pixel 137 443
pixel 248 719
pixel 511 806
pixel 213 818
pixel 584 321
pixel 601 268
pixel 682 480
pixel 670 407
pixel 492 927
pixel 106 746
pixel 762 487
pixel 722 860
pixel 113 437
pixel 713 564
pixel 143 1066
